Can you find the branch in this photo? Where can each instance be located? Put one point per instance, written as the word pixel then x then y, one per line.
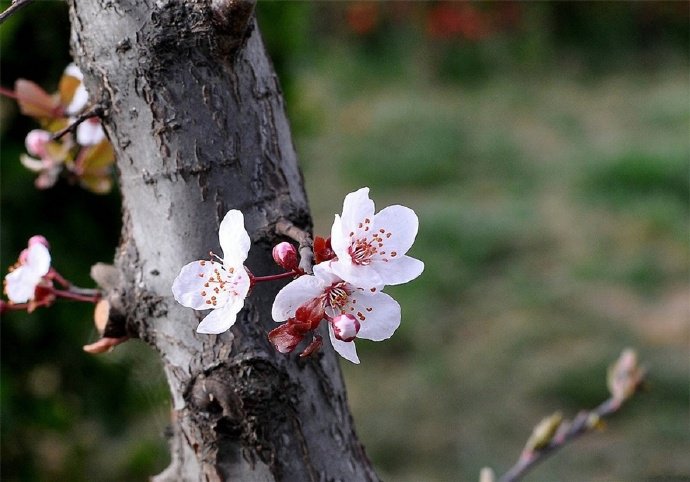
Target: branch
pixel 95 111
pixel 14 7
pixel 625 378
pixel 306 252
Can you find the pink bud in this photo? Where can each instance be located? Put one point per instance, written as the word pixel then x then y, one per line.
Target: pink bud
pixel 23 256
pixel 345 327
pixel 38 239
pixel 285 255
pixel 36 141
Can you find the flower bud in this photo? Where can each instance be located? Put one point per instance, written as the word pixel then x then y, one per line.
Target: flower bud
pixel 285 255
pixel 36 141
pixel 38 239
pixel 345 327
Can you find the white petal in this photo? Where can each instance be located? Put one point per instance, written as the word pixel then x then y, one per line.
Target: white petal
pixel 346 349
pixel 378 315
pixel 325 273
pixel 400 225
pixel 197 285
pixel 79 100
pixel 20 284
pixel 399 271
pixel 73 71
pixel 294 294
pixel 360 276
pixel 90 132
pixel 38 259
pixel 339 240
pixel 31 164
pixel 356 208
pixel 234 240
pixel 220 320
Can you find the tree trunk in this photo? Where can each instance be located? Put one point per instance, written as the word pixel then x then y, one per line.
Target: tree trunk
pixel 196 117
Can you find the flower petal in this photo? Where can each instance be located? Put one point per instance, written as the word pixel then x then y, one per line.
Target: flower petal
pixel 20 284
pixel 378 315
pixel 38 259
pixel 339 241
pixel 205 284
pixel 294 294
pixel 360 276
pixel 220 320
pixel 356 208
pixel 79 100
pixel 346 349
pixel 234 240
pixel 90 132
pixel 399 271
pixel 400 225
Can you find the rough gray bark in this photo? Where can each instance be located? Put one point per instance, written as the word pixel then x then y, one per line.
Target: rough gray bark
pixel 197 120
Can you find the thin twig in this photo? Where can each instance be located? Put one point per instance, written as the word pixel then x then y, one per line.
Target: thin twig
pixel 306 245
pixel 13 8
pixel 95 111
pixel 583 423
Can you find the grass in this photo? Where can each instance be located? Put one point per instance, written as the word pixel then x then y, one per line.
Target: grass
pixel 553 217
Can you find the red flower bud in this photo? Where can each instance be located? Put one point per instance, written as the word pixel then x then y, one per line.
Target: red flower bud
pixel 311 312
pixel 345 327
pixel 287 336
pixel 322 250
pixel 285 255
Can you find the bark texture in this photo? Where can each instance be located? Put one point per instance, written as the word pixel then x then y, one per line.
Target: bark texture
pixel 196 117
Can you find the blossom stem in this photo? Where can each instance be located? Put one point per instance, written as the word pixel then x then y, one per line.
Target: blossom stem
pixel 95 111
pixel 78 294
pixel 53 274
pixel 8 93
pixel 273 277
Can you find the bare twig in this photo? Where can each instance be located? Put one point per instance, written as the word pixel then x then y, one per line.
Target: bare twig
pixel 14 7
pixel 625 379
pixel 95 111
pixel 306 251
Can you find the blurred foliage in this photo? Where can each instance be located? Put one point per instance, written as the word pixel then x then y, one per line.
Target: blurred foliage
pixel 544 146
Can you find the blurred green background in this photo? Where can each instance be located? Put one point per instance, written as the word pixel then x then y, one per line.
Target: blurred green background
pixel 545 149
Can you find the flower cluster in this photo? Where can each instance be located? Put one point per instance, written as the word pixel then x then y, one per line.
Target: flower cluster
pixel 86 157
pixel 365 252
pixel 31 281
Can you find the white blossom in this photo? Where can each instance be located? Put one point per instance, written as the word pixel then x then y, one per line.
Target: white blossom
pixel 377 313
pixel 221 287
pixel 371 248
pixel 21 282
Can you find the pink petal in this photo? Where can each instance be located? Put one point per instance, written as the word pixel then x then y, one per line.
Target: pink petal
pixel 346 349
pixel 399 271
pixel 294 294
pixel 234 240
